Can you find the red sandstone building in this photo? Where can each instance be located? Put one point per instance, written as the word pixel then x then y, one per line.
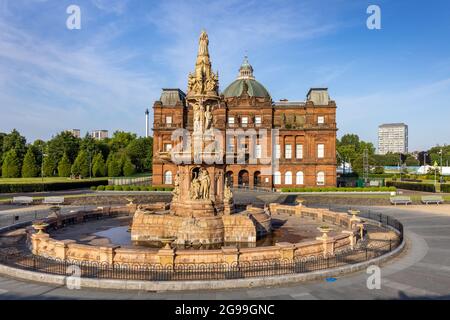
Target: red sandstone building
pixel 305 147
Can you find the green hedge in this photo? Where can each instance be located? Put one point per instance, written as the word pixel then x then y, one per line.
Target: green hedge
pixel 445 188
pixel 425 187
pixel 336 189
pixel 50 186
pixel 133 188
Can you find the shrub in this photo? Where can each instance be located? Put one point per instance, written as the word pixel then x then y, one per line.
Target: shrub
pixel 425 187
pixel 135 188
pixel 101 188
pixel 118 188
pixel 126 188
pixel 109 188
pixel 50 186
pixel 445 188
pixel 336 189
pixel 93 188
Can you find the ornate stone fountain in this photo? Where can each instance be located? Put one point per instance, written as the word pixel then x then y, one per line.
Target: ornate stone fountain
pixel 202 208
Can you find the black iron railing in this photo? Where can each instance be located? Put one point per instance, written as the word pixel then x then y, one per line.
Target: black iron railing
pixel 218 271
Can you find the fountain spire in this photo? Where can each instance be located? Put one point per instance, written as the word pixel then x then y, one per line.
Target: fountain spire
pixel 203 82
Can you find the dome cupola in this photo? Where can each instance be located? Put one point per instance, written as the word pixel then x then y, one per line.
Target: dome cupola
pixel 246 83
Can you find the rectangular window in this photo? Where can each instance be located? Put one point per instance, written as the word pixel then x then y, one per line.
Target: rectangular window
pixel 299 151
pixel 230 145
pixel 244 121
pixel 168 120
pixel 258 120
pixel 320 151
pixel 258 151
pixel 167 147
pixel 321 120
pixel 230 120
pixel 287 151
pixel 277 151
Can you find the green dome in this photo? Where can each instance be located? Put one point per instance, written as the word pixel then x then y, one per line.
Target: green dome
pixel 255 89
pixel 246 82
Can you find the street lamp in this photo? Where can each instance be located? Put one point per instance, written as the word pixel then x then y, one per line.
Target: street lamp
pixel 441 166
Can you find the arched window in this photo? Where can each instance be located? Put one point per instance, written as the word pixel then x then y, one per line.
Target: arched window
pixel 168 177
pixel 299 178
pixel 288 177
pixel 320 178
pixel 277 177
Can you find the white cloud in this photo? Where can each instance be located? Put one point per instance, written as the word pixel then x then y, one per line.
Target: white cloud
pixel 117 7
pixel 45 85
pixel 234 27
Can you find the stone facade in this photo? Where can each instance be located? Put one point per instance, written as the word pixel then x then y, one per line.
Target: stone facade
pixel 305 146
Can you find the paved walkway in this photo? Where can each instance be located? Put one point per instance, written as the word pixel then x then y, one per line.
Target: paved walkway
pixel 422 271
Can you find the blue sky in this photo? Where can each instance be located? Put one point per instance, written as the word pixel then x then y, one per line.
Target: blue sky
pixel 105 75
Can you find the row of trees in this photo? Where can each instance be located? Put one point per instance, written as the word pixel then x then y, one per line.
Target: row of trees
pixel 350 149
pixel 66 155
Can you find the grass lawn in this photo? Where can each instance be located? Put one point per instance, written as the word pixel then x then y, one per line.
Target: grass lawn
pixel 39 180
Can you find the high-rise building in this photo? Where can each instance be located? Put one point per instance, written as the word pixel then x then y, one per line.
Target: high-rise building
pixel 75 132
pixel 99 134
pixel 393 137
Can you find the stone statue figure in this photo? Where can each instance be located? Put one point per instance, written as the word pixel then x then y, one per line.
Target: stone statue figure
pixel 176 189
pixel 197 117
pixel 208 117
pixel 211 83
pixel 191 82
pixel 227 193
pixel 194 191
pixel 203 44
pixel 205 183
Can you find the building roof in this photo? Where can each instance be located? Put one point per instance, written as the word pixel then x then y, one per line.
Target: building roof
pixel 246 82
pixel 319 96
pixel 172 96
pixel 387 125
pixel 286 103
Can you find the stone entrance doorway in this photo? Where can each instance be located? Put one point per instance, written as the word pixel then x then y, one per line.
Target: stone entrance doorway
pixel 257 179
pixel 229 177
pixel 243 178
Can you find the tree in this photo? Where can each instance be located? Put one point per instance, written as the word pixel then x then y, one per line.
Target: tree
pixel 128 168
pixel 411 161
pixel 113 165
pixel 98 166
pixel 64 142
pixel 49 167
pixel 140 152
pixel 2 136
pixel 80 166
pixel 29 167
pixel 11 165
pixel 64 166
pixel 14 141
pixel 120 140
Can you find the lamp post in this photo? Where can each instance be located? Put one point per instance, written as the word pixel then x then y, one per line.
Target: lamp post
pixel 441 152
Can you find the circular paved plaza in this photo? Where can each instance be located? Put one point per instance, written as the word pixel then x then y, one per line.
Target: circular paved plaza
pixel 421 271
